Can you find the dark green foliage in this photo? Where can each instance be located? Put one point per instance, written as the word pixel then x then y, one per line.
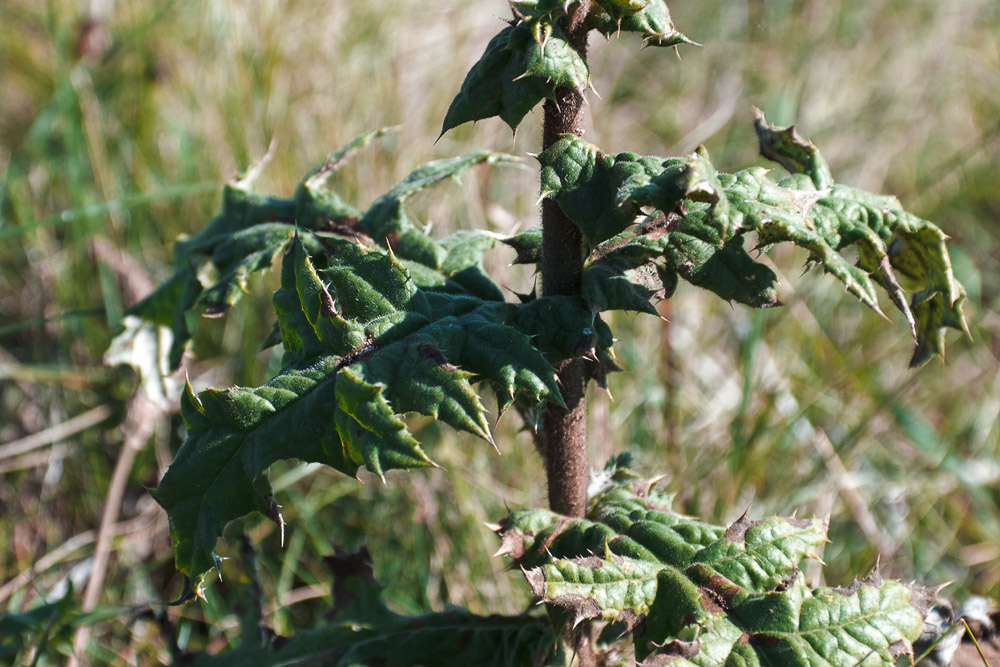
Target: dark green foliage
pixel 369 334
pixel 649 18
pixel 363 344
pixel 378 320
pixel 527 61
pixel 696 594
pixel 696 219
pixel 521 66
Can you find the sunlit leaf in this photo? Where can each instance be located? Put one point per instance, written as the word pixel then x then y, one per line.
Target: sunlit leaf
pixel 695 594
pixel 363 345
pixel 522 65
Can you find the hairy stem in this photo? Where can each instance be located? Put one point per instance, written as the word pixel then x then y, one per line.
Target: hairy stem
pixel 564 429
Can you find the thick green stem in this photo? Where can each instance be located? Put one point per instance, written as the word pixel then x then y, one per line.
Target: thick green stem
pixel 564 430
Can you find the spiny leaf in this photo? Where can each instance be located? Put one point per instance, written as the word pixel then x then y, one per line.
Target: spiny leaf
pixel 243 239
pixel 871 623
pixel 612 588
pixel 613 283
pixel 727 270
pixel 786 147
pixel 236 258
pixel 695 594
pixel 593 188
pixel 548 10
pixel 703 214
pixel 363 344
pixel 388 223
pixel 649 18
pixel 317 204
pixel 522 65
pixel 527 244
pixel 463 263
pixel 565 326
pixel 686 246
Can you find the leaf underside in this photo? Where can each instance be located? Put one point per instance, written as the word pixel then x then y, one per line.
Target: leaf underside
pixel 696 594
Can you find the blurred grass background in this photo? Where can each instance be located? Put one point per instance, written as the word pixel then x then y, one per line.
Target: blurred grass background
pixel 119 122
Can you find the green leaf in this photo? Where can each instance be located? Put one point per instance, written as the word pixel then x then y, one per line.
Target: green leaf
pixel 363 345
pixel 388 223
pixel 796 154
pixel 696 219
pixel 614 283
pixel 527 244
pixel 870 623
pixel 236 258
pixel 317 204
pixel 696 594
pixel 463 263
pixel 522 65
pixel 649 18
pixel 243 239
pixel 593 189
pixel 688 247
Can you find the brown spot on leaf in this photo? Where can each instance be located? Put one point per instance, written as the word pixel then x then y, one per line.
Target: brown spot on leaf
pixel 327 309
pixel 536 580
pixel 512 544
pixel 738 530
pixel 349 227
pixel 786 583
pixel 589 562
pixel 579 607
pixel 709 602
pixel 898 648
pixel 362 352
pixel 428 351
pixel 717 592
pixel 672 651
pixel 850 590
pixel 660 226
pixel 633 622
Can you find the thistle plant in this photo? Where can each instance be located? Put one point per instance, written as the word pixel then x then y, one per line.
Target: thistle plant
pixel 378 319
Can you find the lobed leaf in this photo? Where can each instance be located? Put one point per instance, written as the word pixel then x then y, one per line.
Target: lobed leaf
pixel 527 245
pixel 363 345
pixel 649 18
pixel 593 188
pixel 250 230
pixel 698 217
pixel 387 221
pixel 696 594
pixel 522 65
